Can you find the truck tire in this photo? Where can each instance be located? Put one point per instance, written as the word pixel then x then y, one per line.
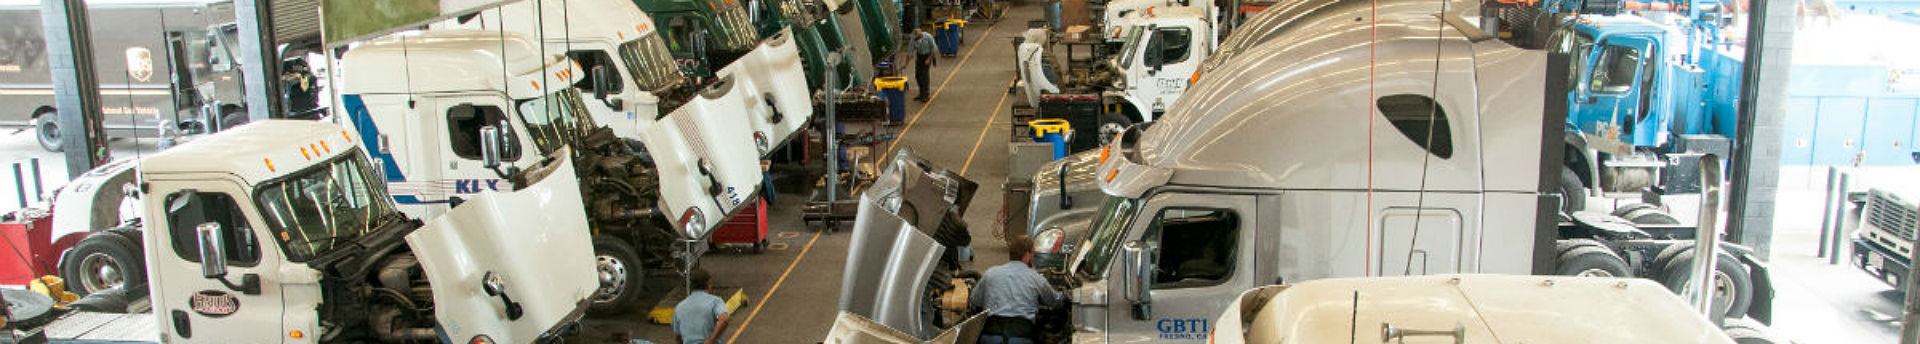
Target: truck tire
pixel 1562 246
pixel 1591 261
pixel 621 276
pixel 1645 214
pixel 1573 194
pixel 46 130
pixel 1745 331
pixel 1735 284
pixel 103 261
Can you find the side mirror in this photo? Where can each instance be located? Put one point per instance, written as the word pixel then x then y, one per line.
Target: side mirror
pixel 492 146
pixel 1137 284
pixel 213 253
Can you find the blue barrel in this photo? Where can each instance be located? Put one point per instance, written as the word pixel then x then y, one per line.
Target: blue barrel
pixel 1054 131
pixel 894 90
pixel 947 35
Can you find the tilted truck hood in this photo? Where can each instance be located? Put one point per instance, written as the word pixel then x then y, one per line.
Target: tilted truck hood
pixel 775 85
pixel 707 129
pixel 535 238
pixel 894 253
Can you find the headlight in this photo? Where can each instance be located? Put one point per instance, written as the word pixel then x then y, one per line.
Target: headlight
pixel 693 221
pixel 1049 241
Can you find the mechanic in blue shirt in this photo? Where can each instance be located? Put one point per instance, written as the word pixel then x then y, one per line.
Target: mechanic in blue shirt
pixel 1012 293
pixel 923 48
pixel 701 317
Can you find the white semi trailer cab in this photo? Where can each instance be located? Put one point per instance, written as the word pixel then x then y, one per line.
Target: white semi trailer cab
pixel 436 105
pixel 282 231
pixel 641 84
pixel 1160 52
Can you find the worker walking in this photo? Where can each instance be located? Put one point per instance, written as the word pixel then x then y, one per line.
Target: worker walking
pixel 923 52
pixel 701 317
pixel 1012 294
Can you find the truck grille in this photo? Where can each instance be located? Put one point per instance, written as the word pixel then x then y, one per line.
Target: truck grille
pixel 1892 214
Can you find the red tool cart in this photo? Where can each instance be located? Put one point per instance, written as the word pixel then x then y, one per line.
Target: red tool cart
pixel 26 250
pixel 746 227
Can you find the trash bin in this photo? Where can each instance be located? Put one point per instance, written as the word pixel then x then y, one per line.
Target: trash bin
pixel 946 34
pixel 959 31
pixel 894 90
pixel 1054 131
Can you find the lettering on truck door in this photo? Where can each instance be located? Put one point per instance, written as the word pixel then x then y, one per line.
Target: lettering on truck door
pixel 1202 252
pixel 205 309
pixel 465 174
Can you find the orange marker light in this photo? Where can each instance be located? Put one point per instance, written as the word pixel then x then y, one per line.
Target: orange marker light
pixel 269 163
pixel 296 334
pixel 323 145
pixel 1104 151
pixel 343 133
pixel 303 153
pixel 1111 174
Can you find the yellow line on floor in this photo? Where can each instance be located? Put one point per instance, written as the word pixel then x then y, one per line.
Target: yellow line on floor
pixel 995 116
pixel 936 91
pixel 776 287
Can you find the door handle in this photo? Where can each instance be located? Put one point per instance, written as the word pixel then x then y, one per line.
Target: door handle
pixel 181 324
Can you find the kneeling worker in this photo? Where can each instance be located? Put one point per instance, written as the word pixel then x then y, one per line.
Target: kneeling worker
pixel 1012 294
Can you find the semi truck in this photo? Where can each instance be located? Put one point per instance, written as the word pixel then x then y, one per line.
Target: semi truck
pixel 1306 159
pixel 1885 218
pixel 699 168
pixel 282 230
pixel 1151 69
pixel 166 69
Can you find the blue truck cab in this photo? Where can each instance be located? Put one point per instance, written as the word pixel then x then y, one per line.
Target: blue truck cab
pixel 1645 92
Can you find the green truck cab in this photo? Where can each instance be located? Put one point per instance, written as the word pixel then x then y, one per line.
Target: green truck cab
pixel 703 34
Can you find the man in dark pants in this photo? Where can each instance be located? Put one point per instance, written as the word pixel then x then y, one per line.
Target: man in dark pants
pixel 1012 293
pixel 923 52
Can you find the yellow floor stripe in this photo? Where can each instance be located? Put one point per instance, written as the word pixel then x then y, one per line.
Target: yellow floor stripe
pixel 993 117
pixel 936 91
pixel 776 287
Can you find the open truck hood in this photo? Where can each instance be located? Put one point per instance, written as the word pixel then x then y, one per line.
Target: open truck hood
pixel 545 258
pixel 894 253
pixel 776 87
pixel 699 144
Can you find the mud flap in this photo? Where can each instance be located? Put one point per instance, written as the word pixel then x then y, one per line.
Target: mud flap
pixel 1761 309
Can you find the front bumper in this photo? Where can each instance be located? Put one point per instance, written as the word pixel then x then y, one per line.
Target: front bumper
pixel 1880 262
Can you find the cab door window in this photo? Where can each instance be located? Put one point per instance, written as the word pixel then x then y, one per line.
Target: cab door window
pixel 1194 246
pixel 463 130
pixel 1175 44
pixel 187 210
pixel 1615 71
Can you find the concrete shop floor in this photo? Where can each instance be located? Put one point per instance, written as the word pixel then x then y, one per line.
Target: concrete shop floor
pixel 794 286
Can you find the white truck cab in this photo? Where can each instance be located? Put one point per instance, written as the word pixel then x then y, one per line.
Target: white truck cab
pixel 1161 51
pixel 634 82
pixel 281 231
pixel 423 99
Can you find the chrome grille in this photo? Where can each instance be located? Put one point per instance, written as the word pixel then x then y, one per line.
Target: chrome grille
pixel 1892 214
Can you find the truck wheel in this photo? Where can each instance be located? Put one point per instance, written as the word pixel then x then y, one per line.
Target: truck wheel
pixel 1733 285
pixel 1111 124
pixel 1746 331
pixel 1645 214
pixel 1573 194
pixel 46 129
pixel 620 274
pixel 101 262
pixel 1591 261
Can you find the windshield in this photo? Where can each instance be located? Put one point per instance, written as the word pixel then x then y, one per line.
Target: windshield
pixel 320 208
pixel 738 30
pixel 1109 225
pixel 1133 43
pixel 650 64
pixel 553 118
